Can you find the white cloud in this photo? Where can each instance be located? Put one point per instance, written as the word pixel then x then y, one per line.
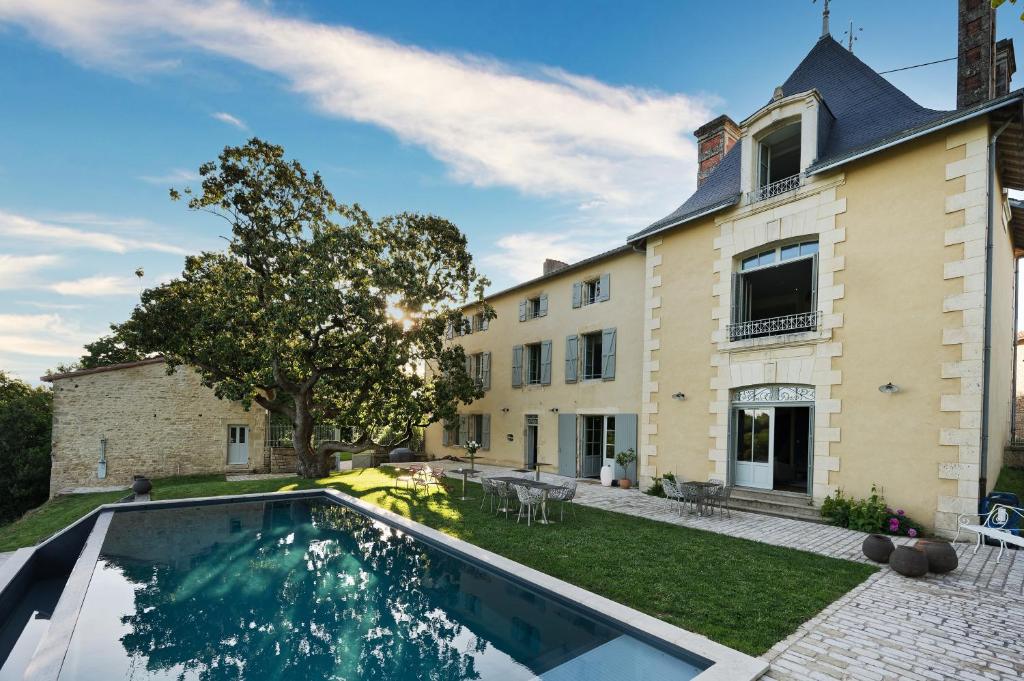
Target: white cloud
pixel 175 175
pixel 41 335
pixel 520 256
pixel 225 117
pixel 98 285
pixel 61 236
pixel 546 132
pixel 17 271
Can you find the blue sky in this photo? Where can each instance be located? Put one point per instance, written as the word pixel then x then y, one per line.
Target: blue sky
pixel 542 129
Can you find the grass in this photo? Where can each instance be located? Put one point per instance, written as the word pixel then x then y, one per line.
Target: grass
pixel 741 593
pixel 1011 480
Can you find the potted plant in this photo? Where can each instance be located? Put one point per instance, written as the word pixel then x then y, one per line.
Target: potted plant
pixel 624 459
pixel 471 448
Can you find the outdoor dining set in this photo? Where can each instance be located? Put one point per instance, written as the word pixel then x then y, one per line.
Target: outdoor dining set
pixel 699 497
pixel 527 498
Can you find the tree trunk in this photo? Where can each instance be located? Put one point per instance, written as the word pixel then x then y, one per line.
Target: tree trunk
pixel 309 463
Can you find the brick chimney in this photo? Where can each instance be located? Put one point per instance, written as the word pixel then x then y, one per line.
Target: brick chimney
pixel 1006 66
pixel 976 53
pixel 551 265
pixel 714 140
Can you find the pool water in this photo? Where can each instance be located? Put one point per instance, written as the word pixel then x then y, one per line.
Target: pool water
pixel 308 589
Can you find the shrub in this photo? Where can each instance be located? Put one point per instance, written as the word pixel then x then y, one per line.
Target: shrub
pixel 868 515
pixel 656 489
pixel 25 414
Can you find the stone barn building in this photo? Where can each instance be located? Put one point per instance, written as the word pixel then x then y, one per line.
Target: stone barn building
pixel 114 422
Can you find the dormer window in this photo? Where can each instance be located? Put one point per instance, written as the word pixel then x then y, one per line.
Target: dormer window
pixel 778 158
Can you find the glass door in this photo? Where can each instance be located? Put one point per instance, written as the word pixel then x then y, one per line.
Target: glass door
pixel 531 440
pixel 753 448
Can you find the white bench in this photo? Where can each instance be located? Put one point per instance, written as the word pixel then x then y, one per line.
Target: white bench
pixel 994 525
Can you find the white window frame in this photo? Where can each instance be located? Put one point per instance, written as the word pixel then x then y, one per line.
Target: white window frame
pixel 529 351
pixel 585 355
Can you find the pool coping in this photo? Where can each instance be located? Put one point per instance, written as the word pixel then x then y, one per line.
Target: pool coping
pixel 726 664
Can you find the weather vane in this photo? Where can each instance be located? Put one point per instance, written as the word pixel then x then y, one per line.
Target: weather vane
pixel 851 35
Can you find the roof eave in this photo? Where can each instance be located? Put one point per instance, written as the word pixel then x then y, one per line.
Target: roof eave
pixel 966 115
pixel 725 203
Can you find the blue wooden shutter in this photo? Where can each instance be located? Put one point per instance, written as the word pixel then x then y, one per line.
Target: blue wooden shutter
pixel 605 285
pixel 543 312
pixel 463 430
pixel 485 370
pixel 517 366
pixel 446 434
pixel 545 362
pixel 608 354
pixel 572 358
pixel 484 322
pixel 485 435
pixel 625 438
pixel 522 310
pixel 567 445
pixel 577 294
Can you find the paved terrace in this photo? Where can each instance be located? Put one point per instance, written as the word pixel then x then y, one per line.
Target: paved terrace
pixel 966 625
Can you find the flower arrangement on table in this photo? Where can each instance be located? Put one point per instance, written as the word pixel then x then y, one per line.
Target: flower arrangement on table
pixel 471 449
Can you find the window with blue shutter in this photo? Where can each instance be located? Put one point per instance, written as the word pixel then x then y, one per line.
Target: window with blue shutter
pixel 545 363
pixel 572 357
pixel 608 354
pixel 517 366
pixel 577 294
pixel 542 305
pixel 485 431
pixel 605 286
pixel 485 370
pixel 522 310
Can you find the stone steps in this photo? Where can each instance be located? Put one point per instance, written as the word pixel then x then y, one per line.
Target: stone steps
pixel 770 502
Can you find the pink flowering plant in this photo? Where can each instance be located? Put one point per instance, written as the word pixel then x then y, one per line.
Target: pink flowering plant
pixel 868 515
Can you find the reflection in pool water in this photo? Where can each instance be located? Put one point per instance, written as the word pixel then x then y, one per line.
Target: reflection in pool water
pixel 311 590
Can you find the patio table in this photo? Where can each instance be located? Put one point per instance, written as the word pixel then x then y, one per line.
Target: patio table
pixel 535 470
pixel 702 491
pixel 465 472
pixel 544 488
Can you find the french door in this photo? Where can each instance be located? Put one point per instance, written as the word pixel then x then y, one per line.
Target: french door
pixel 598 444
pixel 754 445
pixel 238 445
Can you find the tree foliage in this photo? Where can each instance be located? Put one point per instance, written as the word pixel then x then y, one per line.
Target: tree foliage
pixel 315 311
pixel 25 418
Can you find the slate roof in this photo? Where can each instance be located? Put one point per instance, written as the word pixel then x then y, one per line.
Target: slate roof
pixel 870 114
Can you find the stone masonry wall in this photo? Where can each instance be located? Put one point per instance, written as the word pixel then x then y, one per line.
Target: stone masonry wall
pixel 155 425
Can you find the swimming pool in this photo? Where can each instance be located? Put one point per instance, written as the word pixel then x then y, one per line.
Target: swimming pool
pixel 307 587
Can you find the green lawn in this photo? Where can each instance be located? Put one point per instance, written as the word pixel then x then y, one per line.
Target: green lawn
pixel 743 594
pixel 1011 480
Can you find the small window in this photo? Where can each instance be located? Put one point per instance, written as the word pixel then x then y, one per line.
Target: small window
pixel 533 307
pixel 591 291
pixel 476 368
pixel 592 349
pixel 533 364
pixel 479 323
pixel 778 162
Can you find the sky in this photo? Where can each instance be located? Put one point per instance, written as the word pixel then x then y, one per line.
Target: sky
pixel 541 129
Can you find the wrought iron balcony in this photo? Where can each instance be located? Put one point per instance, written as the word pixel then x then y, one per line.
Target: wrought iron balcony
pixel 768 191
pixel 775 326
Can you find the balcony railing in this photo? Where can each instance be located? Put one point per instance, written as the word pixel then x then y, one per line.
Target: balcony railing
pixel 768 191
pixel 775 326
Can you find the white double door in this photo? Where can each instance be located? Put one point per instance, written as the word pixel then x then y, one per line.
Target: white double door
pixel 238 445
pixel 754 447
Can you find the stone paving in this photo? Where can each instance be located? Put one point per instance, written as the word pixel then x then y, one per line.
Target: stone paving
pixel 965 625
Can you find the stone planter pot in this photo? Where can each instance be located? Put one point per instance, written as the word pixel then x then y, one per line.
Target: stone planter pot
pixel 941 555
pixel 877 547
pixel 909 562
pixel 625 483
pixel 142 485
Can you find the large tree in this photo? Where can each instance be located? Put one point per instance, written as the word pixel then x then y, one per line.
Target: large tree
pixel 315 311
pixel 25 416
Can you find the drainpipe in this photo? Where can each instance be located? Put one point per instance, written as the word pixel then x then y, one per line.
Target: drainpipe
pixel 1013 378
pixel 986 362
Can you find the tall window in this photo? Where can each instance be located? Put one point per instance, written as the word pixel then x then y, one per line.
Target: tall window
pixel 533 307
pixel 598 443
pixel 775 292
pixel 778 162
pixel 533 364
pixel 591 291
pixel 592 352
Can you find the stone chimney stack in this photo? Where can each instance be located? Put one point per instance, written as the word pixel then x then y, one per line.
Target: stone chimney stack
pixel 714 140
pixel 551 265
pixel 1006 66
pixel 976 53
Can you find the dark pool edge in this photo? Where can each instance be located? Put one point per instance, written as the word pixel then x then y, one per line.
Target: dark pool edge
pixel 726 664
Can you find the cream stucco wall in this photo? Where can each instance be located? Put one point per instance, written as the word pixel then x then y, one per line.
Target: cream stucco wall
pixel 508 406
pixel 901 292
pixel 1004 325
pixel 154 424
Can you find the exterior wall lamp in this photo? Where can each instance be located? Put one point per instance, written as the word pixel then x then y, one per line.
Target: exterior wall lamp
pixel 889 388
pixel 554 410
pixel 678 396
pixel 101 465
pixel 504 410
